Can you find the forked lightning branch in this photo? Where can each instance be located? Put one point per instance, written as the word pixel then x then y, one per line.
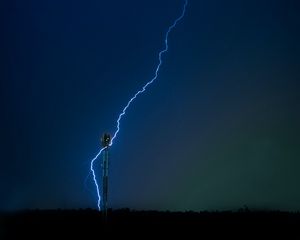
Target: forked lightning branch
pixel 107 141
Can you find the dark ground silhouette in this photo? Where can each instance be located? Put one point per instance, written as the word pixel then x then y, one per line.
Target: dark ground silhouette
pixel 75 223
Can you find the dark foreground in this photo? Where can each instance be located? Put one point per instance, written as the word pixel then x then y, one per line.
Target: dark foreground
pixel 79 223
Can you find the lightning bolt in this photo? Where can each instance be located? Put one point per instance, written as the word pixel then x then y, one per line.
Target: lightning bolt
pixel 166 48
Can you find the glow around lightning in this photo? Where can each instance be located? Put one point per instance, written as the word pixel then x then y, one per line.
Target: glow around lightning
pixel 123 113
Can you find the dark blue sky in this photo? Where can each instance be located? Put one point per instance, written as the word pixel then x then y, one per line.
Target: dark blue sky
pixel 218 130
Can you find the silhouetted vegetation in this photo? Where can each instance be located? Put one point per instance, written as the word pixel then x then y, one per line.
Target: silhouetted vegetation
pixel 45 223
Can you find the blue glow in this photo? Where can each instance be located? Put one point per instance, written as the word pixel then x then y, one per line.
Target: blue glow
pixel 135 96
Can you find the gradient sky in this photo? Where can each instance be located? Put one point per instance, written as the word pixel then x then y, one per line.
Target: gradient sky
pixel 218 130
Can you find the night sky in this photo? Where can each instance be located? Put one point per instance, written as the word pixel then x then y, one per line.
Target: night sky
pixel 219 129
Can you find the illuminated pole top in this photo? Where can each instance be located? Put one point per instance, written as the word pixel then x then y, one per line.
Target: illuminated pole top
pixel 105 140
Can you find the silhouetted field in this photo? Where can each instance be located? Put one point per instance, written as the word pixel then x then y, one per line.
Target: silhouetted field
pixel 72 223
